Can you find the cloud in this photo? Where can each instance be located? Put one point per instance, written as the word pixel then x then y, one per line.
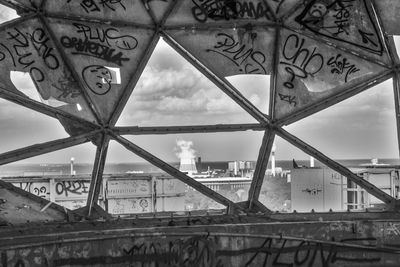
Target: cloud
pixel 184 96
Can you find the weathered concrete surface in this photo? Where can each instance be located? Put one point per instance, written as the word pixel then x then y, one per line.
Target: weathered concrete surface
pixel 193 242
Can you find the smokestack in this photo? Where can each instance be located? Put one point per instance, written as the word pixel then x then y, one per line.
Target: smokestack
pixel 187 157
pixel 273 159
pixel 72 166
pixel 199 166
pixel 311 162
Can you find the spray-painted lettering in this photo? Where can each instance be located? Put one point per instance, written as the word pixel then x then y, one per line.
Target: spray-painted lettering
pixel 340 65
pixel 99 5
pixel 229 10
pixel 68 188
pixel 248 60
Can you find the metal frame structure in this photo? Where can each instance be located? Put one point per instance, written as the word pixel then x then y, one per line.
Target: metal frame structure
pixel 102 131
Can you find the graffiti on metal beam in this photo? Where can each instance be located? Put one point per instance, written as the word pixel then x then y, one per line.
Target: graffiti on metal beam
pixel 100 5
pixel 217 10
pixel 99 43
pixel 305 67
pixel 242 55
pixel 338 19
pixel 18 51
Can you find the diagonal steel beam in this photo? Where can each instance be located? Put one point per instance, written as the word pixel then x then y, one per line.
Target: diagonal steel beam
pixel 17 6
pixel 261 167
pixel 370 188
pixel 132 82
pixel 177 174
pixel 136 130
pixel 274 75
pixel 43 148
pixel 41 108
pixel 170 8
pixel 115 22
pixel 396 89
pixel 380 26
pixel 97 173
pixel 223 84
pixel 173 6
pixel 334 99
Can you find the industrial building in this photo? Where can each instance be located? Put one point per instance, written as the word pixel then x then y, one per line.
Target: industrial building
pixel 85 58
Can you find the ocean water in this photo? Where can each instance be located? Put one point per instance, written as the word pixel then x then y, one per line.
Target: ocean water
pixel 120 168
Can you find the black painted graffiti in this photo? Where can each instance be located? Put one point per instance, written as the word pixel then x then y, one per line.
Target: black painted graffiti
pixel 342 15
pixel 144 204
pixel 291 99
pixel 19 51
pixel 90 48
pixel 195 251
pixel 99 5
pixel 33 188
pixel 98 79
pixel 313 191
pixel 246 58
pixel 213 252
pixel 340 64
pixel 100 43
pixel 335 18
pixel 229 10
pixel 278 7
pixel 110 36
pixel 284 252
pixel 300 61
pixel 71 187
pixel 40 42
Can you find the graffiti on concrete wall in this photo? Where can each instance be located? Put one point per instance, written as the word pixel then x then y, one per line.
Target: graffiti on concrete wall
pixel 72 188
pixel 41 189
pixel 206 250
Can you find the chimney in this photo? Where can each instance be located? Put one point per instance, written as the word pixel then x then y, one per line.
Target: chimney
pixel 273 160
pixel 72 166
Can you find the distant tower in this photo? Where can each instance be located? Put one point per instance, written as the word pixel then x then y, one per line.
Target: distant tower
pixel 312 162
pixel 72 166
pixel 273 159
pixel 188 165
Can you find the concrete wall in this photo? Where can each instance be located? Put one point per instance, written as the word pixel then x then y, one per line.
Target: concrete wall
pixel 335 243
pixel 119 194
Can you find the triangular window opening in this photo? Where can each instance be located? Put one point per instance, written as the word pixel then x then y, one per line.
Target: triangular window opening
pixel 224 162
pixel 7 14
pixel 172 92
pixel 397 44
pixel 62 177
pixel 21 127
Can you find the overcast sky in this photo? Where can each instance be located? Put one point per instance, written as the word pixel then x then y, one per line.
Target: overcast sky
pixel 172 92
